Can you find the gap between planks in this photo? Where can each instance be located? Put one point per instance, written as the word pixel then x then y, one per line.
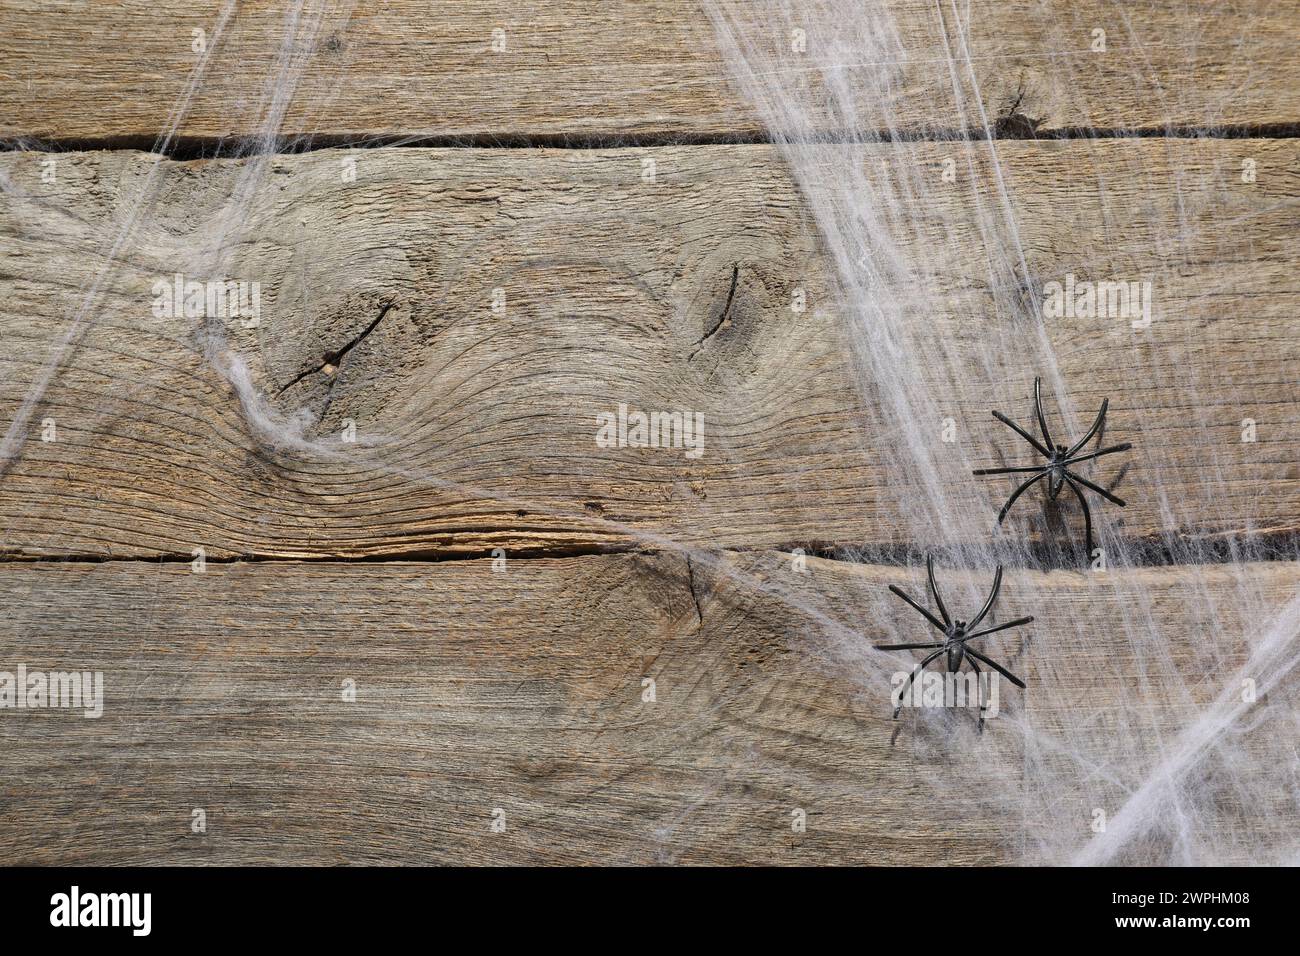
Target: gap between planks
pixel 1223 549
pixel 185 149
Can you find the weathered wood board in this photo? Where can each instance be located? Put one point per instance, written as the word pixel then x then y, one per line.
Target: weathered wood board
pixel 130 70
pixel 523 690
pixel 477 429
pixel 465 314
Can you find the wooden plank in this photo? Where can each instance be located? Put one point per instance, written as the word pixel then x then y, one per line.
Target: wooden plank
pixel 128 70
pixel 478 430
pixel 523 690
pixel 476 690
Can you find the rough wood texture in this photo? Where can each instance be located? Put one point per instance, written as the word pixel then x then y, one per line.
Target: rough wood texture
pixel 477 430
pixel 120 70
pixel 521 690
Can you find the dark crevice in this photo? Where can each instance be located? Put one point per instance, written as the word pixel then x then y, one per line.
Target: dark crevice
pixel 332 360
pixel 1049 555
pixel 1139 552
pixel 695 595
pixel 723 316
pixel 412 555
pixel 1012 126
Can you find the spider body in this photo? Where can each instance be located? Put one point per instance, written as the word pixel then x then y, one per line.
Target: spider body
pixel 1058 467
pixel 1057 463
pixel 956 646
pixel 956 634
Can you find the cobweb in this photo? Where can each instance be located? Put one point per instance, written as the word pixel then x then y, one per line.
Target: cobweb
pixel 1171 761
pixel 1185 742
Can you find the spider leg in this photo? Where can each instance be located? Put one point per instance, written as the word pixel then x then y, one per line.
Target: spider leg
pixel 979 694
pixel 1097 488
pixel 988 605
pixel 908 647
pixel 1017 493
pixel 911 677
pixel 1038 407
pixel 1000 627
pixel 1022 433
pixel 1097 454
pixel 1006 471
pixel 928 616
pixel 997 667
pixel 1087 516
pixel 1101 418
pixel 934 589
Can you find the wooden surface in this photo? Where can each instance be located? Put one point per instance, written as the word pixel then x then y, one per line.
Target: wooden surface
pixel 522 690
pixel 477 430
pixel 120 70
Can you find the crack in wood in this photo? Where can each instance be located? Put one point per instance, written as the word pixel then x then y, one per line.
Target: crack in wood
pixel 724 317
pixel 1278 546
pixel 187 149
pixel 331 362
pixel 695 596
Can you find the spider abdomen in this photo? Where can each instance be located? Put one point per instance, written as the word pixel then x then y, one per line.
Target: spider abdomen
pixel 1055 481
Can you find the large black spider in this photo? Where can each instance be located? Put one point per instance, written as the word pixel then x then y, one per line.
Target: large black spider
pixel 1059 458
pixel 956 634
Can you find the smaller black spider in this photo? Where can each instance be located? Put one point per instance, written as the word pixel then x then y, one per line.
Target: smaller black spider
pixel 1059 458
pixel 956 634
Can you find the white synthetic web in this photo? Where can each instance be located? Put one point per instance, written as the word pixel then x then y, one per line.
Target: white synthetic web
pixel 1185 775
pixel 1184 769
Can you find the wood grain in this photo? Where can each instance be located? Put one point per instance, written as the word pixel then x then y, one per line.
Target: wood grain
pixel 477 429
pixel 121 71
pixel 523 690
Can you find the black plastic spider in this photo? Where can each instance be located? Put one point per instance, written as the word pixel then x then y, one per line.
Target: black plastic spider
pixel 1059 458
pixel 956 634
